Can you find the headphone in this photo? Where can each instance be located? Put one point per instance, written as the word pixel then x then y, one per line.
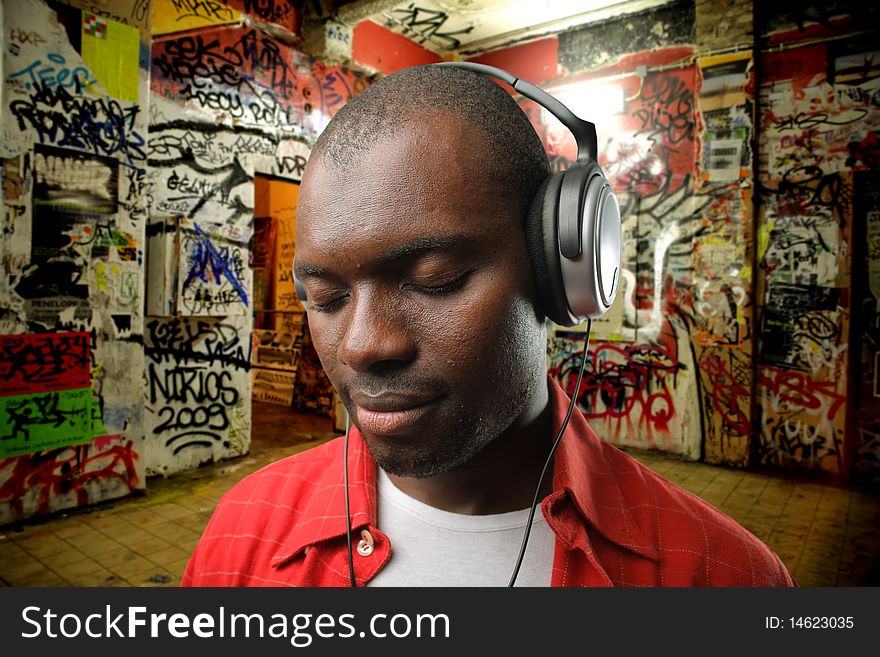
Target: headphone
pixel 573 226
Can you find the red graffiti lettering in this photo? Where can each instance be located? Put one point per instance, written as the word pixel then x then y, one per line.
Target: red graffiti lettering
pixel 65 471
pixel 800 392
pixel 726 393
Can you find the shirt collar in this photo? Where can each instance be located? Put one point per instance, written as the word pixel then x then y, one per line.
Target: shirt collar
pixel 583 469
pixel 582 472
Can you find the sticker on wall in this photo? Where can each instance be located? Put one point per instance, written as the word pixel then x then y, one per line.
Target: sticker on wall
pixel 34 423
pixel 112 50
pixel 179 15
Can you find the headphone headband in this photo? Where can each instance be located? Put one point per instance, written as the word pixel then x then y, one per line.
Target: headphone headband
pixel 584 132
pixel 573 230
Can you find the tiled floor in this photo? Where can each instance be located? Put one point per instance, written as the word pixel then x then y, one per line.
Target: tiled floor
pixel 827 536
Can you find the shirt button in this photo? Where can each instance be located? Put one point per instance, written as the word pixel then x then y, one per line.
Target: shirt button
pixel 365 545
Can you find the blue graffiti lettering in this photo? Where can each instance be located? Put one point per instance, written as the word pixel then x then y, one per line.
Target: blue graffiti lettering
pixel 54 73
pixel 206 256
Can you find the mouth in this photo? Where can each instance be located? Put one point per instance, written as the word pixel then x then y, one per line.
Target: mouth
pixel 391 414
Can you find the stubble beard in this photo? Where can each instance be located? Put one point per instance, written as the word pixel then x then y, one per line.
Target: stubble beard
pixel 468 433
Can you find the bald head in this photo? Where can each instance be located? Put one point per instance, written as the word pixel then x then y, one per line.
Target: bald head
pixel 513 156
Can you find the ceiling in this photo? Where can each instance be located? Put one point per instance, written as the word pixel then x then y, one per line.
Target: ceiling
pixel 467 27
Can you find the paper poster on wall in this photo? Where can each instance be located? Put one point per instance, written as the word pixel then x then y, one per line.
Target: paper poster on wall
pixel 73 193
pixel 724 80
pixel 723 159
pixel 161 265
pixel 286 14
pixel 112 52
pixel 44 362
pixel 273 386
pixel 718 317
pixel 787 306
pixel 855 68
pixel 877 374
pixel 34 423
pixel 130 12
pixel 276 349
pixel 49 310
pixel 803 250
pixel 715 257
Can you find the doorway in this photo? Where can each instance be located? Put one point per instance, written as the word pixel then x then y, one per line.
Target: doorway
pixel 292 397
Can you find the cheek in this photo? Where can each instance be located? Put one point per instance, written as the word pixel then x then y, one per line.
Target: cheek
pixel 325 340
pixel 474 339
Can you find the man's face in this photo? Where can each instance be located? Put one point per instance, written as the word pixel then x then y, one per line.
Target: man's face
pixel 420 295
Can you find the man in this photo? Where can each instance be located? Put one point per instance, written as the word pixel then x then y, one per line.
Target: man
pixel 424 311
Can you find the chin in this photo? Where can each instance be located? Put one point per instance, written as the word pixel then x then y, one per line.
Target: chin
pixel 420 464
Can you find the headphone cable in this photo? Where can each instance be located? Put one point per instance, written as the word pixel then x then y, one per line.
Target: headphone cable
pixel 351 578
pixel 577 387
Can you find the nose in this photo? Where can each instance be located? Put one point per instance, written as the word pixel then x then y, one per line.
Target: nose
pixel 376 334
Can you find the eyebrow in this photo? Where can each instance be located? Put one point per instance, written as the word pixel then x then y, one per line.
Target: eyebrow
pixel 410 249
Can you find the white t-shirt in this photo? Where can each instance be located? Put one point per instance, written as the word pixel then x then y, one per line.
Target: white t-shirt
pixel 431 547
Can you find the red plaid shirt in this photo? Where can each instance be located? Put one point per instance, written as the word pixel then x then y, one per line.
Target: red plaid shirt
pixel 617 523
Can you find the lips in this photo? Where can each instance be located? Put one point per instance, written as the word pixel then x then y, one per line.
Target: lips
pixel 391 413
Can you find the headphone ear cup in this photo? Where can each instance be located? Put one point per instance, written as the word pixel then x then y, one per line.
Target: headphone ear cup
pixel 542 240
pixel 590 241
pixel 299 287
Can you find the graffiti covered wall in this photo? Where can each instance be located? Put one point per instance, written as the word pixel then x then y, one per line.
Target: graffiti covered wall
pixel 229 101
pixel 820 117
pixel 721 331
pixel 643 378
pixel 198 390
pixel 730 339
pixel 74 102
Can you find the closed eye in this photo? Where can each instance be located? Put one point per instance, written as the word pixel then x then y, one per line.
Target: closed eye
pixel 443 288
pixel 328 306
